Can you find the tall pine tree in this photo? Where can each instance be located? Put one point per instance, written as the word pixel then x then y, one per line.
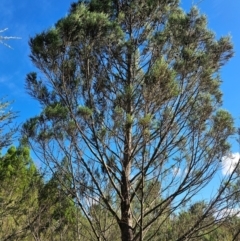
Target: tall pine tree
pixel 130 97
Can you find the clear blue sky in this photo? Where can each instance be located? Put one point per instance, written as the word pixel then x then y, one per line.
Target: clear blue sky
pixel 28 17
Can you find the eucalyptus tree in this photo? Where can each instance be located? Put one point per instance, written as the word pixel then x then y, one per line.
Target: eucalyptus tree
pixel 130 99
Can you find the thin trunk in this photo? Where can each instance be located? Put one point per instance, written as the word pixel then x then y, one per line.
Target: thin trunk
pixel 126 215
pixel 126 219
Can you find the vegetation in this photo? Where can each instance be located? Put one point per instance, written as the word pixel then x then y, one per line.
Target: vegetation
pixel 130 133
pixel 7 130
pixel 130 99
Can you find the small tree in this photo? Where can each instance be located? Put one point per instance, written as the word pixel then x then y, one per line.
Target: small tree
pixel 130 98
pixel 18 176
pixel 31 209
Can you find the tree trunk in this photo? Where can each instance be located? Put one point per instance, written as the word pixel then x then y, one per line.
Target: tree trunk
pixel 126 217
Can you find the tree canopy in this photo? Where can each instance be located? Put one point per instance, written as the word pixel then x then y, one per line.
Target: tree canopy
pixel 131 104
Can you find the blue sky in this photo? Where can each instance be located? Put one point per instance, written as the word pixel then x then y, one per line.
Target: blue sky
pixel 24 19
pixel 29 17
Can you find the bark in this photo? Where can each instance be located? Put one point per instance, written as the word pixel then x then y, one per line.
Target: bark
pixel 126 218
pixel 126 215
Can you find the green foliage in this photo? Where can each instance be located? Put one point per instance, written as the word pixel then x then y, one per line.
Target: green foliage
pixel 85 111
pixel 146 120
pixel 7 131
pixel 18 176
pixel 30 206
pixel 30 127
pixel 56 111
pixel 17 163
pixel 131 95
